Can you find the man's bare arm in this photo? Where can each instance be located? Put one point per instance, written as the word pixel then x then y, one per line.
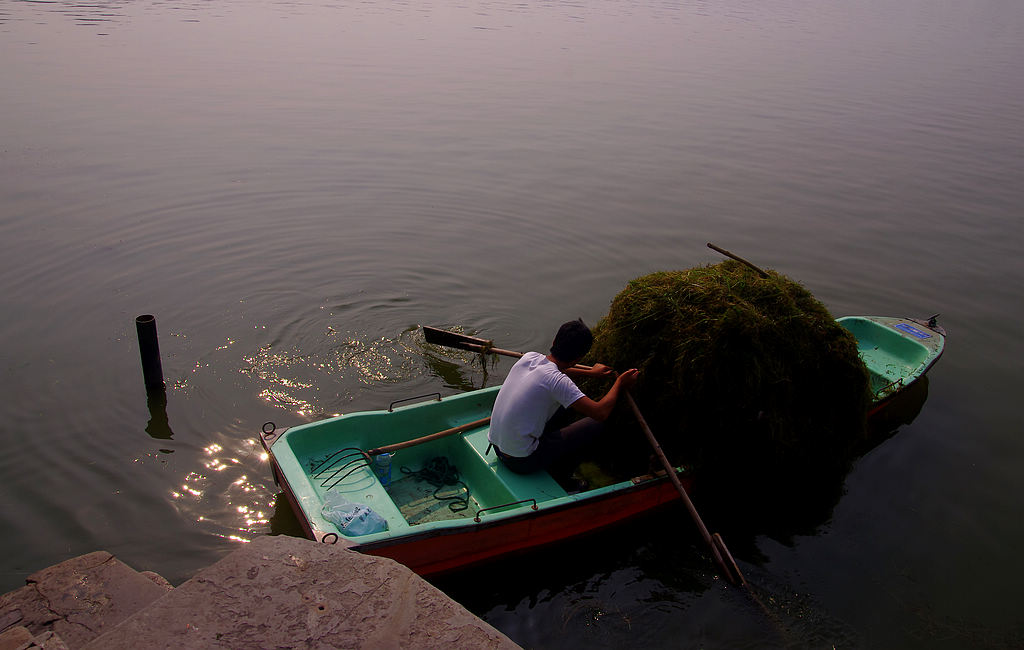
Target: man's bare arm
pixel 601 409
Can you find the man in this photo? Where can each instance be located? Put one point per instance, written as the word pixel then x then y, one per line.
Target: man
pixel 527 424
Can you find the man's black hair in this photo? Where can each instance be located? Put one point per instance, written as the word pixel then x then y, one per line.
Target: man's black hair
pixel 572 341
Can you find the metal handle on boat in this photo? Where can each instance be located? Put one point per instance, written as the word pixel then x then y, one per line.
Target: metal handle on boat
pixel 391 407
pixel 504 505
pixel 269 434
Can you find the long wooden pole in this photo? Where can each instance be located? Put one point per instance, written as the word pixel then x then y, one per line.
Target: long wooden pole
pixel 716 543
pixel 731 570
pixel 764 274
pixel 387 449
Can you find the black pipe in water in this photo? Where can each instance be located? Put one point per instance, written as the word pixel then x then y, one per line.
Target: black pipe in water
pixel 149 349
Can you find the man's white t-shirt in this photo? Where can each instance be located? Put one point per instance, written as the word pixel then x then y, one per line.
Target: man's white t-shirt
pixel 532 392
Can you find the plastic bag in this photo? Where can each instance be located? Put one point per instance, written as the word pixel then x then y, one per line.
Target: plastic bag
pixel 352 518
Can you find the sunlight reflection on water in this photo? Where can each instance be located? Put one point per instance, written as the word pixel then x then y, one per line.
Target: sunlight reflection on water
pixel 221 498
pixel 293 187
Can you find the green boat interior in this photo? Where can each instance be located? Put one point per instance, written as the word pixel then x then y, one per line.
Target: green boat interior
pixel 328 453
pixel 894 352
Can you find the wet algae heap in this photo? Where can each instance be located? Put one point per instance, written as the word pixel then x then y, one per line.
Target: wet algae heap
pixel 747 379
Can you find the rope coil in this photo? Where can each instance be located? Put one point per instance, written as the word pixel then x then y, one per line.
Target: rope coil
pixel 440 473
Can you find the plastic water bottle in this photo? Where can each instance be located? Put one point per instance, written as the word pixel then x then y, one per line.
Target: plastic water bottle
pixel 382 467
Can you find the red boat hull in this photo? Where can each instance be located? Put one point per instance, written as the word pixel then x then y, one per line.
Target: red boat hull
pixel 443 551
pixel 438 551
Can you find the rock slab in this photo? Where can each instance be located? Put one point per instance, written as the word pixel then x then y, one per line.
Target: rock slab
pixel 78 599
pixel 285 592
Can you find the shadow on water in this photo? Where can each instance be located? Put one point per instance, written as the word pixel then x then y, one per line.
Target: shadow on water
pixel 448 372
pixel 798 505
pixel 639 583
pixel 158 426
pixel 283 520
pixel 638 544
pixel 450 365
pixel 661 561
pixel 903 409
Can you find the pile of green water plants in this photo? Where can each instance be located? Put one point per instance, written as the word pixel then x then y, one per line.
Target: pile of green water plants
pixel 746 379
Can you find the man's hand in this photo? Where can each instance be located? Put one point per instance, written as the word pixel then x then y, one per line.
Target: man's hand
pixel 601 409
pixel 628 378
pixel 600 370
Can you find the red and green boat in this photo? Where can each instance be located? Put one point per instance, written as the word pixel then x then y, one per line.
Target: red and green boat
pixel 490 511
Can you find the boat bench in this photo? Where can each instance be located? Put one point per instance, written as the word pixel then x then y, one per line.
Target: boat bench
pixel 538 485
pixel 364 487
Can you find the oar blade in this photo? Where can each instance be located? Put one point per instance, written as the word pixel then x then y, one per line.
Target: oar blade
pixel 453 339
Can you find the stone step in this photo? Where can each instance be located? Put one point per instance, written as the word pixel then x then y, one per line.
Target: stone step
pixel 286 592
pixel 19 638
pixel 274 592
pixel 74 602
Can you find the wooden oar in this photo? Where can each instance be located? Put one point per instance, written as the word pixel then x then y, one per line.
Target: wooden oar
pixel 463 342
pixel 717 545
pixel 715 542
pixel 387 449
pixel 736 257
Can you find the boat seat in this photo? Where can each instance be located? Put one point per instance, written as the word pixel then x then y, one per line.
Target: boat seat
pixel 539 485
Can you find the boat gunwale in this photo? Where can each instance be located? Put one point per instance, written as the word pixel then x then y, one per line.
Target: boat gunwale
pixel 509 510
pixel 515 511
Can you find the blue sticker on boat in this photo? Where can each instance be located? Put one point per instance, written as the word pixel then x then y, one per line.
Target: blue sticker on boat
pixel 913 331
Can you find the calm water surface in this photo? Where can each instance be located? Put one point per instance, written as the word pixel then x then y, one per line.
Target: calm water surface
pixel 292 187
